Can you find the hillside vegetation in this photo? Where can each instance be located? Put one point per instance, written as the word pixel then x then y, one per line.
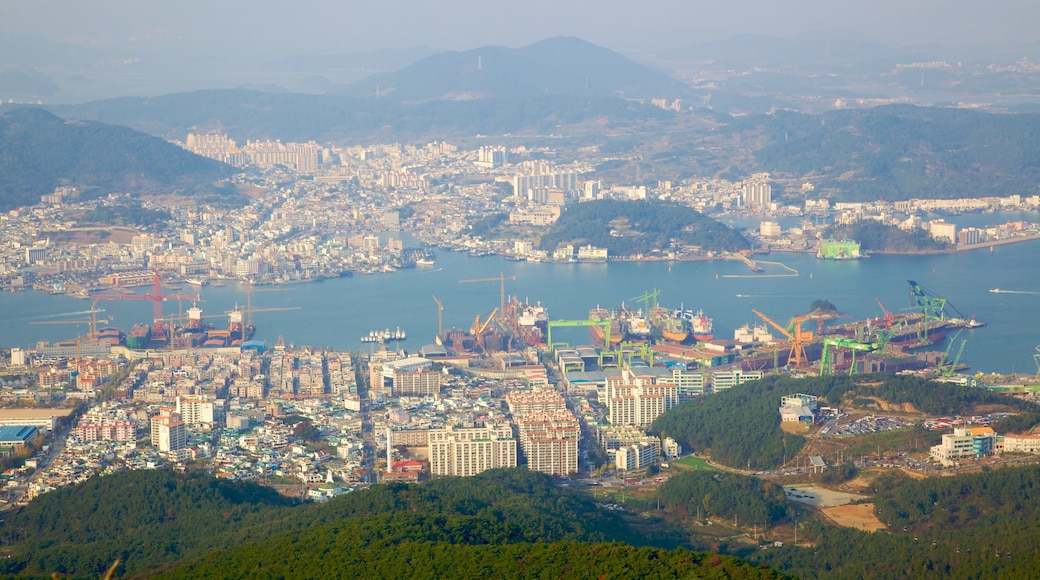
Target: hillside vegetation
pixel 898 152
pixel 197 526
pixel 39 151
pixel 741 425
pixel 980 525
pixel 639 227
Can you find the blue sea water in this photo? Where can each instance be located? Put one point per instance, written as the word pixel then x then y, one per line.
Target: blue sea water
pixel 337 313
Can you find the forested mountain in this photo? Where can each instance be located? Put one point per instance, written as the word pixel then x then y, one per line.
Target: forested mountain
pixel 875 236
pixel 554 66
pixel 639 227
pixel 39 151
pixel 897 152
pixel 197 526
pixel 978 525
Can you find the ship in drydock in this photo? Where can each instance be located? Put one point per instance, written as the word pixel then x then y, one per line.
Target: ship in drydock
pixel 600 314
pixel 702 327
pixel 671 328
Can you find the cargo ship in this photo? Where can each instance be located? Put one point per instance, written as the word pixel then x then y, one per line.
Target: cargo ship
pixel 599 314
pixel 703 328
pixel 671 329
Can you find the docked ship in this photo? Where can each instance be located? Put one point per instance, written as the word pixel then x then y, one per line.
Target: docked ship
pixel 384 335
pixel 702 327
pixel 599 314
pixel 748 334
pixel 635 324
pixel 920 334
pixel 671 329
pixel 195 281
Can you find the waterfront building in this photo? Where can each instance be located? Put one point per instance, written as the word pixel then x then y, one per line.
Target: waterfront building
pixel 757 192
pixel 943 230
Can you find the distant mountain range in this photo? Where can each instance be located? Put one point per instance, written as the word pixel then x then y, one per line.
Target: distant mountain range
pixel 555 66
pixel 39 151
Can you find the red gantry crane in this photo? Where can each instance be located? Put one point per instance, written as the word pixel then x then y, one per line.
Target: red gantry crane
pixel 156 297
pixel 797 337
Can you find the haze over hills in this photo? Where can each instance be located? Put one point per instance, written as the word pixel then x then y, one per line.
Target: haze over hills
pixel 554 66
pixel 39 151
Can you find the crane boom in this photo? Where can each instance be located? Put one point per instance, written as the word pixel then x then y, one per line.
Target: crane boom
pixel 500 279
pixel 796 357
pixel 440 317
pixel 773 324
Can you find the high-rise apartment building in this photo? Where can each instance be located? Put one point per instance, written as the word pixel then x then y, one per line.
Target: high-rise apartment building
pixel 469 451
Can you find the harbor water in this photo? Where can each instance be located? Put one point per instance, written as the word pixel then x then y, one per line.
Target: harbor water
pixel 337 313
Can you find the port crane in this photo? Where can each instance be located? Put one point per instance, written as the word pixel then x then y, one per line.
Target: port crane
pixel 440 318
pixel 648 299
pixel 1036 359
pixel 501 279
pixel 889 317
pixel 480 327
pixel 796 336
pixel 947 367
pixel 603 324
pixel 827 366
pixel 91 322
pixel 156 297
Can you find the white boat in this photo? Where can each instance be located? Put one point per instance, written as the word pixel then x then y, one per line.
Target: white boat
pixel 195 281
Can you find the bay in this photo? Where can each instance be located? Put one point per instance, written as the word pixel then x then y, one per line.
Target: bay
pixel 337 313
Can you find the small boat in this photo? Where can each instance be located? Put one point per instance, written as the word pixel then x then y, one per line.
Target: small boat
pixel 194 281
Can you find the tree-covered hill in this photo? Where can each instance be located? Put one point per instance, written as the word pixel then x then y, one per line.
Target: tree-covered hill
pixel 39 151
pixel 980 525
pixel 639 227
pixel 339 555
pixel 875 236
pixel 142 517
pixel 741 425
pixel 197 526
pixel 899 152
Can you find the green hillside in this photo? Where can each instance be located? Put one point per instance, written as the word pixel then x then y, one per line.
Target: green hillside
pixel 196 526
pixel 39 151
pixel 898 152
pixel 639 227
pixel 979 525
pixel 741 425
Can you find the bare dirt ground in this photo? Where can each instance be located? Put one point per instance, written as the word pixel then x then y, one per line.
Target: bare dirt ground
pixel 820 497
pixel 858 516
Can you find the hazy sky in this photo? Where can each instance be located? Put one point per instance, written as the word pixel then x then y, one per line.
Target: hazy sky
pixel 266 27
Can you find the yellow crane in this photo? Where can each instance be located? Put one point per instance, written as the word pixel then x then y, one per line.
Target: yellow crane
pixel 796 357
pixel 480 327
pixel 500 279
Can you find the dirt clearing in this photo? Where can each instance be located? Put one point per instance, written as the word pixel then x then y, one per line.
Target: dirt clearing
pixel 859 516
